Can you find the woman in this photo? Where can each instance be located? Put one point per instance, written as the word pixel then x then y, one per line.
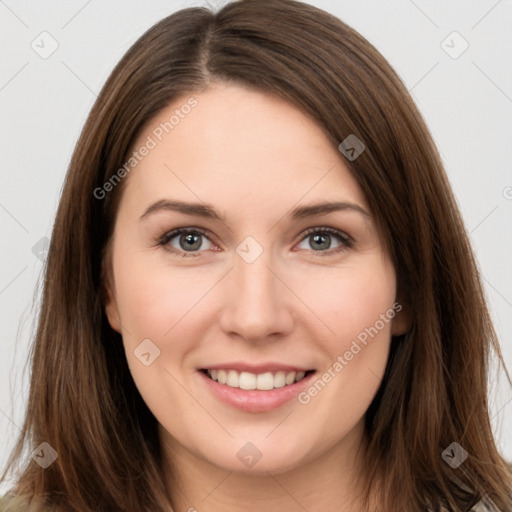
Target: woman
pixel 259 292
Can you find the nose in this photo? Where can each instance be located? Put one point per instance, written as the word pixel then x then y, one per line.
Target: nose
pixel 257 304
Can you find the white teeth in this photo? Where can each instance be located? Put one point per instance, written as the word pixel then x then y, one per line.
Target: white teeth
pixel 280 379
pixel 290 378
pixel 300 376
pixel 232 379
pixel 246 381
pixel 265 381
pixel 262 381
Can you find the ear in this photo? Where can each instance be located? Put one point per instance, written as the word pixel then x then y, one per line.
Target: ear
pixel 403 318
pixel 109 301
pixel 112 311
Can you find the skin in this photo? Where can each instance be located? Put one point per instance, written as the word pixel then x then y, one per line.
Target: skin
pixel 253 157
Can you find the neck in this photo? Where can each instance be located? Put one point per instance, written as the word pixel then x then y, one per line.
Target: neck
pixel 330 479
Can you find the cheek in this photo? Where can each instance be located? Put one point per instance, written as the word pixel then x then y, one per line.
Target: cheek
pixel 347 300
pixel 156 303
pixel 356 305
pixel 153 298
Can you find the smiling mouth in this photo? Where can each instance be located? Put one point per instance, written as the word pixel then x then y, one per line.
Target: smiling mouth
pixel 262 381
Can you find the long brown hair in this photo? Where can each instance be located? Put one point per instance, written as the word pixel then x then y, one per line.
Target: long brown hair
pixel 83 401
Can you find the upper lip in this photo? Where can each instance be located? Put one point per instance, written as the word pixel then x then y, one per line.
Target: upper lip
pixel 256 368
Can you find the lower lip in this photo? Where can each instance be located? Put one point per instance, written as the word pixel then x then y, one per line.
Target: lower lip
pixel 255 400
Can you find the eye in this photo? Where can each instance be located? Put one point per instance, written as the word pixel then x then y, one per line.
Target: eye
pixel 190 242
pixel 185 241
pixel 320 240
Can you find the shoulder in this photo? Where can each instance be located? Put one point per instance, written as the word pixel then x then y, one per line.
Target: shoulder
pixel 10 503
pixel 7 504
pixel 483 507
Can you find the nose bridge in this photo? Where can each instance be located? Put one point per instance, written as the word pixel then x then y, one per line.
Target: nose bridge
pixel 256 303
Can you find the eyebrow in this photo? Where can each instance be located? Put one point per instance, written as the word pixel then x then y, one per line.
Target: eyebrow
pixel 207 211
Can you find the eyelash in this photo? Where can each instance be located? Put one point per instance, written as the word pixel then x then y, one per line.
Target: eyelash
pixel 346 241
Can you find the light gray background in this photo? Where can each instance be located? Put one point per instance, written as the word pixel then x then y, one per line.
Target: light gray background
pixel 466 101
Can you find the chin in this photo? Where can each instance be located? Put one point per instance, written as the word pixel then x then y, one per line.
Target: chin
pixel 257 458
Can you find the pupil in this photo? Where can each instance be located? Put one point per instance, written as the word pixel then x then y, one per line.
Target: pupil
pixel 188 240
pixel 322 240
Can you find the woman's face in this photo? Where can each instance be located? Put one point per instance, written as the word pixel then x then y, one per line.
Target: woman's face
pixel 262 280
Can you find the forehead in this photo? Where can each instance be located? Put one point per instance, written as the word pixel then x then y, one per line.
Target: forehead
pixel 241 146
